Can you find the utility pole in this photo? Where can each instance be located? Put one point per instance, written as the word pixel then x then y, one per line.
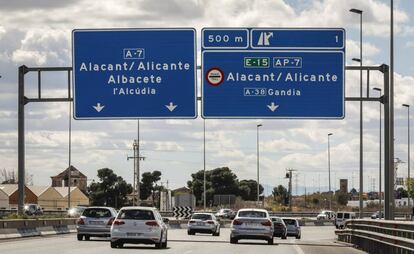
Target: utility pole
pixel 136 184
pixel 289 175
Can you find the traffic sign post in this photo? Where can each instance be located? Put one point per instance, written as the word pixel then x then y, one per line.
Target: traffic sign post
pixel 282 73
pixel 134 73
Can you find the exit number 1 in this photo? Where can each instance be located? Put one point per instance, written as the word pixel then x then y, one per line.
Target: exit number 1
pixel 256 62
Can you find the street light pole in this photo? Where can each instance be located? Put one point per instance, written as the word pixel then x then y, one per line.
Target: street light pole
pixel 380 151
pixel 257 146
pixel 204 162
pixel 409 154
pixel 361 158
pixel 329 172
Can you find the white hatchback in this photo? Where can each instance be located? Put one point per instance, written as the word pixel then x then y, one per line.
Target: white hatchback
pixel 139 225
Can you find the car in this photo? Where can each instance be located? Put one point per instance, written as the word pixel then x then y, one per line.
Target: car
pixel 139 225
pixel 226 213
pixel 95 222
pixel 325 215
pixel 76 211
pixel 32 209
pixel 251 223
pixel 279 227
pixel 203 223
pixel 293 227
pixel 377 215
pixel 341 217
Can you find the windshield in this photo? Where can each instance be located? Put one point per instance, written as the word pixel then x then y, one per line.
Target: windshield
pixel 201 217
pixel 97 213
pixel 136 215
pixel 252 214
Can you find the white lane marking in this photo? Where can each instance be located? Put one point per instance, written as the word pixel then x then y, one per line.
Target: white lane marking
pixel 297 247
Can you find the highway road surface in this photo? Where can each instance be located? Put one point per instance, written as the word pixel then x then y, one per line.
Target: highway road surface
pixel 315 240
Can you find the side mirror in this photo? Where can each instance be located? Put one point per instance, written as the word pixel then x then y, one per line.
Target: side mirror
pixel 166 220
pixel 218 219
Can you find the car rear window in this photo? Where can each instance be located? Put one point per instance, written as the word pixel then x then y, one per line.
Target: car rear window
pixel 277 220
pixel 339 215
pixel 346 215
pixel 252 214
pixel 290 222
pixel 201 217
pixel 136 215
pixel 97 213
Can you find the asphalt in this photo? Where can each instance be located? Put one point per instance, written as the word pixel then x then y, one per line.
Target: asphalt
pixel 315 240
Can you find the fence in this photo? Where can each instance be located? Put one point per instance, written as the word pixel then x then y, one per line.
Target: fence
pixel 379 236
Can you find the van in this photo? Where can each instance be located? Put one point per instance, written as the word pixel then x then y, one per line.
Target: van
pixel 341 217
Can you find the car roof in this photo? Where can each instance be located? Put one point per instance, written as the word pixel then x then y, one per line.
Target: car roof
pixel 203 213
pixel 252 209
pixel 99 207
pixel 139 208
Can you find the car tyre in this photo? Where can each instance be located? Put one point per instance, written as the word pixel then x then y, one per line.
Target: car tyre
pixel 284 237
pixel 80 237
pixel 164 244
pixel 113 245
pixel 159 245
pixel 270 241
pixel 87 238
pixel 298 236
pixel 233 240
pixel 190 232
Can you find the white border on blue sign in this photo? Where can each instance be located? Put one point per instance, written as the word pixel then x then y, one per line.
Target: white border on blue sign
pixel 135 29
pixel 273 117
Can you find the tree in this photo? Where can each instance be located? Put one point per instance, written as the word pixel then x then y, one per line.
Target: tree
pixel 111 190
pixel 280 194
pixel 342 198
pixel 248 189
pixel 410 187
pixel 401 193
pixel 148 182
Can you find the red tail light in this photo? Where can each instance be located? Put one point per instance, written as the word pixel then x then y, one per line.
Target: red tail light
pixel 210 222
pixel 111 220
pixel 152 223
pixel 119 222
pixel 237 222
pixel 81 221
pixel 192 221
pixel 267 223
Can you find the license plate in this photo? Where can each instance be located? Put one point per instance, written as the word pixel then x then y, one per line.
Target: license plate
pixel 200 223
pixel 251 225
pixel 96 222
pixel 134 234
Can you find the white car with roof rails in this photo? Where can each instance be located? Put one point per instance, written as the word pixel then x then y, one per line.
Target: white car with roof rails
pixel 252 224
pixel 139 225
pixel 203 223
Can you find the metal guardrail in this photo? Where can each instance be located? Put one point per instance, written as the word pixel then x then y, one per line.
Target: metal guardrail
pixel 379 236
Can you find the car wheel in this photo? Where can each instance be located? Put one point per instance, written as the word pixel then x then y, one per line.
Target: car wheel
pixel 298 236
pixel 164 244
pixel 87 238
pixel 270 241
pixel 159 245
pixel 190 232
pixel 113 245
pixel 284 237
pixel 80 237
pixel 233 240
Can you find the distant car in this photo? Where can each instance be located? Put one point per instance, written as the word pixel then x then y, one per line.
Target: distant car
pixel 203 223
pixel 139 225
pixel 76 211
pixel 252 224
pixel 226 213
pixel 279 227
pixel 95 222
pixel 377 215
pixel 326 215
pixel 32 209
pixel 293 227
pixel 341 217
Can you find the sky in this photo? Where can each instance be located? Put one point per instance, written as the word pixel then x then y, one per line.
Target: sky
pixel 38 33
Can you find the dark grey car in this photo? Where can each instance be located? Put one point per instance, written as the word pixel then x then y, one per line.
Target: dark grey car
pixel 95 222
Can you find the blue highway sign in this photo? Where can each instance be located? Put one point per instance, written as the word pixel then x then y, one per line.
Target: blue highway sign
pixel 134 73
pixel 283 73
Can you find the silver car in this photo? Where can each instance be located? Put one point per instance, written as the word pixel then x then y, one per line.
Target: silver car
pixel 293 227
pixel 203 223
pixel 252 224
pixel 95 222
pixel 139 225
